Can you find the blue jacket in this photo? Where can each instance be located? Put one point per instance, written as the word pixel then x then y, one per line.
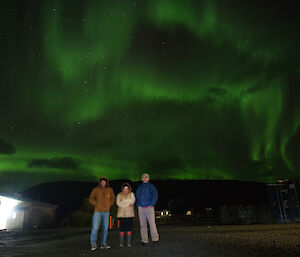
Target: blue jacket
pixel 146 195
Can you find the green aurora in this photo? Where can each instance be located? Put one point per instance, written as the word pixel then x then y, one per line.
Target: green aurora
pixel 179 88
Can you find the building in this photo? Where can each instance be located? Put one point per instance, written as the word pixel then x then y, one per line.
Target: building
pixel 17 212
pixel 284 199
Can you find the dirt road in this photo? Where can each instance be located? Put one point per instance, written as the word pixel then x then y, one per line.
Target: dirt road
pixel 189 241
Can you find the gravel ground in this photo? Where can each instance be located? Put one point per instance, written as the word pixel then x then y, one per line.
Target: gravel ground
pixel 175 240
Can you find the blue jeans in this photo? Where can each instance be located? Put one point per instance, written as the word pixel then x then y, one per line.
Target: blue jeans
pixel 98 216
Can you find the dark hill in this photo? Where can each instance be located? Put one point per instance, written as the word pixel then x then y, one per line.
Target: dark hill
pixel 69 195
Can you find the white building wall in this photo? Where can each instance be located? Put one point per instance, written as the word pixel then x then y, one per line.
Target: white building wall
pixel 15 220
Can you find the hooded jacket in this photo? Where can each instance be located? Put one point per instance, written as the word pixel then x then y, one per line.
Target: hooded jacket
pixel 125 203
pixel 102 198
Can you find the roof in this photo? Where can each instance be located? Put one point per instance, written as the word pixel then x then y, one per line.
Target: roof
pixel 24 199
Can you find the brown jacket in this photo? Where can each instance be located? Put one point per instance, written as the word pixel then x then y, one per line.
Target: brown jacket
pixel 102 198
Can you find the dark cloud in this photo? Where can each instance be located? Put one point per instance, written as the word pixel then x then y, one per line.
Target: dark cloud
pixel 6 147
pixel 60 163
pixel 221 92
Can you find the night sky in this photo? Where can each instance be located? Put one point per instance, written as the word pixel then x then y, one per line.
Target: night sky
pixel 181 89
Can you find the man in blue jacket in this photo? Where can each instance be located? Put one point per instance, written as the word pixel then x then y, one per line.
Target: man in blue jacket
pixel 146 198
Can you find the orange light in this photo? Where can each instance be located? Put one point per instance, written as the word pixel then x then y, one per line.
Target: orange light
pixel 110 225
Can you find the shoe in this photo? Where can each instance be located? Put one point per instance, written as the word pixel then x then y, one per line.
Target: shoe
pixel 155 243
pixel 143 244
pixel 94 247
pixel 105 247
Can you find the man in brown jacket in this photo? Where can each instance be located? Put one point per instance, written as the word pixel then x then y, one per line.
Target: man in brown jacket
pixel 102 197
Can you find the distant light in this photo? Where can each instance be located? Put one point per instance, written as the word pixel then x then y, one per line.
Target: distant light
pixel 165 213
pixel 188 213
pixel 6 208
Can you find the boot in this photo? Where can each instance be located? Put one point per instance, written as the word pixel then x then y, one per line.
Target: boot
pixel 121 240
pixel 129 236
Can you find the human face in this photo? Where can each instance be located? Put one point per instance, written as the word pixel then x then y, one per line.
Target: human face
pixel 145 179
pixel 103 183
pixel 125 190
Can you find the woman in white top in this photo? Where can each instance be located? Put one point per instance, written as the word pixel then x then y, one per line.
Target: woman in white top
pixel 125 203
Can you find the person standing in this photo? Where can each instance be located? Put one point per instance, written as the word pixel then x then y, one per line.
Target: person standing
pixel 125 202
pixel 102 197
pixel 146 198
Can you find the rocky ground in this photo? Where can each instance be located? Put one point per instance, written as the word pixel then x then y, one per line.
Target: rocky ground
pixel 192 241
